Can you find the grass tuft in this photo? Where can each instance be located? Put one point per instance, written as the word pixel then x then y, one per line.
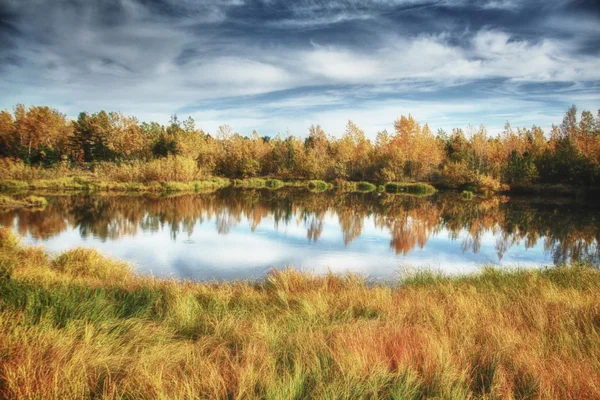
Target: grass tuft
pixel 413 188
pixel 82 262
pixel 317 186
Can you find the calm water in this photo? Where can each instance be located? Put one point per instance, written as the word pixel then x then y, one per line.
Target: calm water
pixel 244 233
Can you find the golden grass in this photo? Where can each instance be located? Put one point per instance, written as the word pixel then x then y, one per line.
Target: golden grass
pixel 79 325
pixel 170 174
pixel 173 174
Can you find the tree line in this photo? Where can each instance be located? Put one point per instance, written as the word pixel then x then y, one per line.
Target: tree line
pixel 569 153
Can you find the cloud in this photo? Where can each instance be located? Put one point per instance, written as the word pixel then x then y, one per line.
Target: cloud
pixel 266 61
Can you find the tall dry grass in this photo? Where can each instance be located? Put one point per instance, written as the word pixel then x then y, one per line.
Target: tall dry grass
pixel 80 325
pixel 167 174
pixel 170 169
pixel 12 169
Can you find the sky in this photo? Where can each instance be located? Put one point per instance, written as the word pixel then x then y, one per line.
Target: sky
pixel 279 66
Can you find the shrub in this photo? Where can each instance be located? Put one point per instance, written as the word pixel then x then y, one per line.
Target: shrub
pixel 487 183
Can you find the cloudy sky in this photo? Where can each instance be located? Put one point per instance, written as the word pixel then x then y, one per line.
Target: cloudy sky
pixel 279 66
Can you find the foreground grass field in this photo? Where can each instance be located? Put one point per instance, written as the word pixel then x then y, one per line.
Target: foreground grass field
pixel 79 325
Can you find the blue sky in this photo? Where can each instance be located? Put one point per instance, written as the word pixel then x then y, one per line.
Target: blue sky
pixel 279 66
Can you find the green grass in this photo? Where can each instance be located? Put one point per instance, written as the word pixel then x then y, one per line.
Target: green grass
pixel 81 325
pixel 413 188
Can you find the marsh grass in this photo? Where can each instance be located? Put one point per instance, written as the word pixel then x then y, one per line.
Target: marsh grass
pixel 81 325
pixel 172 174
pixel 413 188
pixel 87 184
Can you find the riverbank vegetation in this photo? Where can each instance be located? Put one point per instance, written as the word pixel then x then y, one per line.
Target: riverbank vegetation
pixel 123 150
pixel 79 325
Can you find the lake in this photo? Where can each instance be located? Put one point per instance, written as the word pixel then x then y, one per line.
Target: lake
pixel 239 234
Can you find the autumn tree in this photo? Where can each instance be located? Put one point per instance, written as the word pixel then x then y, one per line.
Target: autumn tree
pixel 41 133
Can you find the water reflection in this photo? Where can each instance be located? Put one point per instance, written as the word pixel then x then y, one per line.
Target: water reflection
pixel 371 233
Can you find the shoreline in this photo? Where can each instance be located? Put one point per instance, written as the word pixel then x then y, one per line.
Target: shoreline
pixel 87 184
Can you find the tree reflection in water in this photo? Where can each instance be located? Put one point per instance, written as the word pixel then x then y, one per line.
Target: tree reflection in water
pixel 569 231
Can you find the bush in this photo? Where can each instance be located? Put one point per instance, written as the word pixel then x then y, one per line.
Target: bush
pixel 486 183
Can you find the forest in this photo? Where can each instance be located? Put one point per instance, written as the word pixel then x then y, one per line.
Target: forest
pixel 568 154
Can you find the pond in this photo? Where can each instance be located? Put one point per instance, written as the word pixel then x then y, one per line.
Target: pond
pixel 239 234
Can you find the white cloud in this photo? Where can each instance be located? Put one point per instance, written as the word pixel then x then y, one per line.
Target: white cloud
pixel 78 62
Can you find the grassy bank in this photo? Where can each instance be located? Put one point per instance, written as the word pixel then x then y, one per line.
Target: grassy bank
pixel 172 174
pixel 92 183
pixel 86 184
pixel 80 325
